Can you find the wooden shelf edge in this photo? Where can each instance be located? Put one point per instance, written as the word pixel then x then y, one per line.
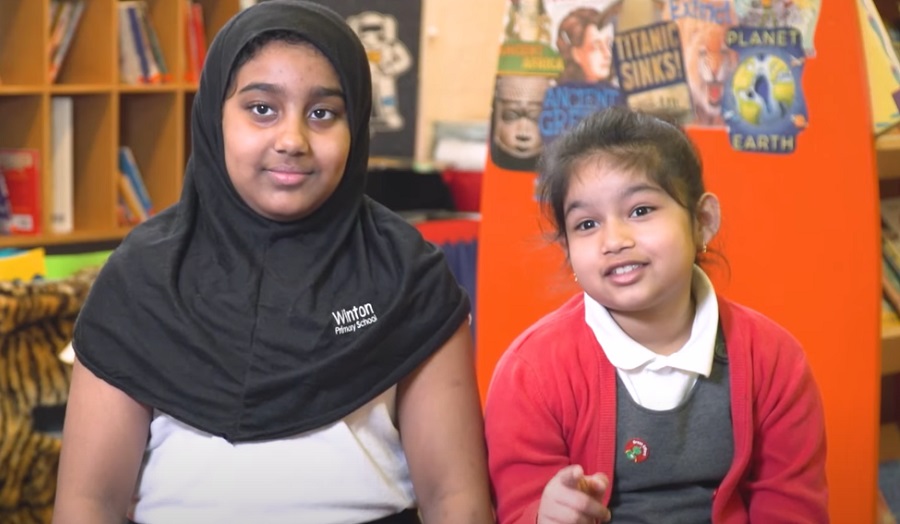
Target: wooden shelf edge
pixel 149 88
pixel 18 90
pixel 49 239
pixel 80 89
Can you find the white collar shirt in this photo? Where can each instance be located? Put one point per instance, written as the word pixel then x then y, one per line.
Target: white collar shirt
pixel 660 382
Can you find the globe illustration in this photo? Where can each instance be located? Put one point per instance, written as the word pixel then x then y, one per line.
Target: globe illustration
pixel 763 88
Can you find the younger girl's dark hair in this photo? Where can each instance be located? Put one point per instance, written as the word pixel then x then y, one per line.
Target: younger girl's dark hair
pixel 254 46
pixel 628 140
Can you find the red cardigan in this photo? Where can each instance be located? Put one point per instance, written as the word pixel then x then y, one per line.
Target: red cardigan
pixel 552 402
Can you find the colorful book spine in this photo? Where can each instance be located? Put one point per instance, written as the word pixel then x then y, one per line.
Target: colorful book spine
pixel 21 171
pixel 76 10
pixel 128 165
pixel 134 209
pixel 153 42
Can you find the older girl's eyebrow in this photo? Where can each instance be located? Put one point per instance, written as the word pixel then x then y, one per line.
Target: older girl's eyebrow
pixel 327 92
pixel 262 86
pixel 275 89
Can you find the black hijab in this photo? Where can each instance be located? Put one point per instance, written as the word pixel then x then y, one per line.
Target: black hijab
pixel 251 329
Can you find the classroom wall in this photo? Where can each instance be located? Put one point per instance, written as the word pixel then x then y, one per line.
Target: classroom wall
pixel 460 46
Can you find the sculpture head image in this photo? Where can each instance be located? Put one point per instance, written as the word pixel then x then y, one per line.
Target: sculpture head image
pixel 516 134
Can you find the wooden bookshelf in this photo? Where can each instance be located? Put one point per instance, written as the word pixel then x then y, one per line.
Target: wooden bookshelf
pixel 887 149
pixel 153 120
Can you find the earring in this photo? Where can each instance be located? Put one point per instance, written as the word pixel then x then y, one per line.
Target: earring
pixel 576 277
pixel 703 250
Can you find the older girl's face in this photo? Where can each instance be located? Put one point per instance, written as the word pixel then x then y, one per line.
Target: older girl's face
pixel 286 131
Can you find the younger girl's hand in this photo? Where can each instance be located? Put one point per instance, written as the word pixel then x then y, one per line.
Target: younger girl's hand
pixel 572 498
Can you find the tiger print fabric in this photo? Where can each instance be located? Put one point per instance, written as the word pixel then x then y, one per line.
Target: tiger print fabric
pixel 36 323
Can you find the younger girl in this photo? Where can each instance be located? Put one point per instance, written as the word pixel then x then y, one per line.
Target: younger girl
pixel 276 347
pixel 648 398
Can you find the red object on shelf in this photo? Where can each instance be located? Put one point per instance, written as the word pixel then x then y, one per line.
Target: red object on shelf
pixel 465 187
pixel 21 170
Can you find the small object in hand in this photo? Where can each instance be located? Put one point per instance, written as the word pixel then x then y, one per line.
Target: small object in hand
pixel 584 485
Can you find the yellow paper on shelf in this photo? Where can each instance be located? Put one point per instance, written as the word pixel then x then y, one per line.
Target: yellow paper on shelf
pixel 882 67
pixel 23 266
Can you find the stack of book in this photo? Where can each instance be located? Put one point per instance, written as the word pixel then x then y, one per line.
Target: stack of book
pixel 141 59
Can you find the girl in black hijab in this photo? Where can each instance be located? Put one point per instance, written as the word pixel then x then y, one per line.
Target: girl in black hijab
pixel 255 352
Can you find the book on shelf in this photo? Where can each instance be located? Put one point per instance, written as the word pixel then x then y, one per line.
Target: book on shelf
pixel 889 209
pixel 62 157
pixel 130 211
pixel 21 172
pixel 141 60
pixel 889 316
pixel 5 210
pixel 152 42
pixel 890 283
pixel 65 16
pixel 890 251
pixel 123 218
pixel 195 35
pixel 128 166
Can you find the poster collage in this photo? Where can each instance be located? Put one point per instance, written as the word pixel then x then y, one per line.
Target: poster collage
pixel 390 32
pixel 729 65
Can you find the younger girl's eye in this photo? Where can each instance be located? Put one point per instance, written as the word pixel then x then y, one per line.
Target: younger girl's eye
pixel 641 211
pixel 261 109
pixel 585 225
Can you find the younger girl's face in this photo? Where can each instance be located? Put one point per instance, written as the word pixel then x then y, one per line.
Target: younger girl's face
pixel 286 131
pixel 631 245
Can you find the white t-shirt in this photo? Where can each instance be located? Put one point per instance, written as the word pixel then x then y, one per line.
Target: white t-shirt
pixel 351 471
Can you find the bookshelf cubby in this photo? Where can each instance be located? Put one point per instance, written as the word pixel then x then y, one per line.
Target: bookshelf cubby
pixel 153 120
pixel 23 37
pixel 887 149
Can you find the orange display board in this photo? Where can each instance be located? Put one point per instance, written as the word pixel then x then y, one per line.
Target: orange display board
pixel 800 232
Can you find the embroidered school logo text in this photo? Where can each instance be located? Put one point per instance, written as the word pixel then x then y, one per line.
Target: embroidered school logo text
pixel 350 320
